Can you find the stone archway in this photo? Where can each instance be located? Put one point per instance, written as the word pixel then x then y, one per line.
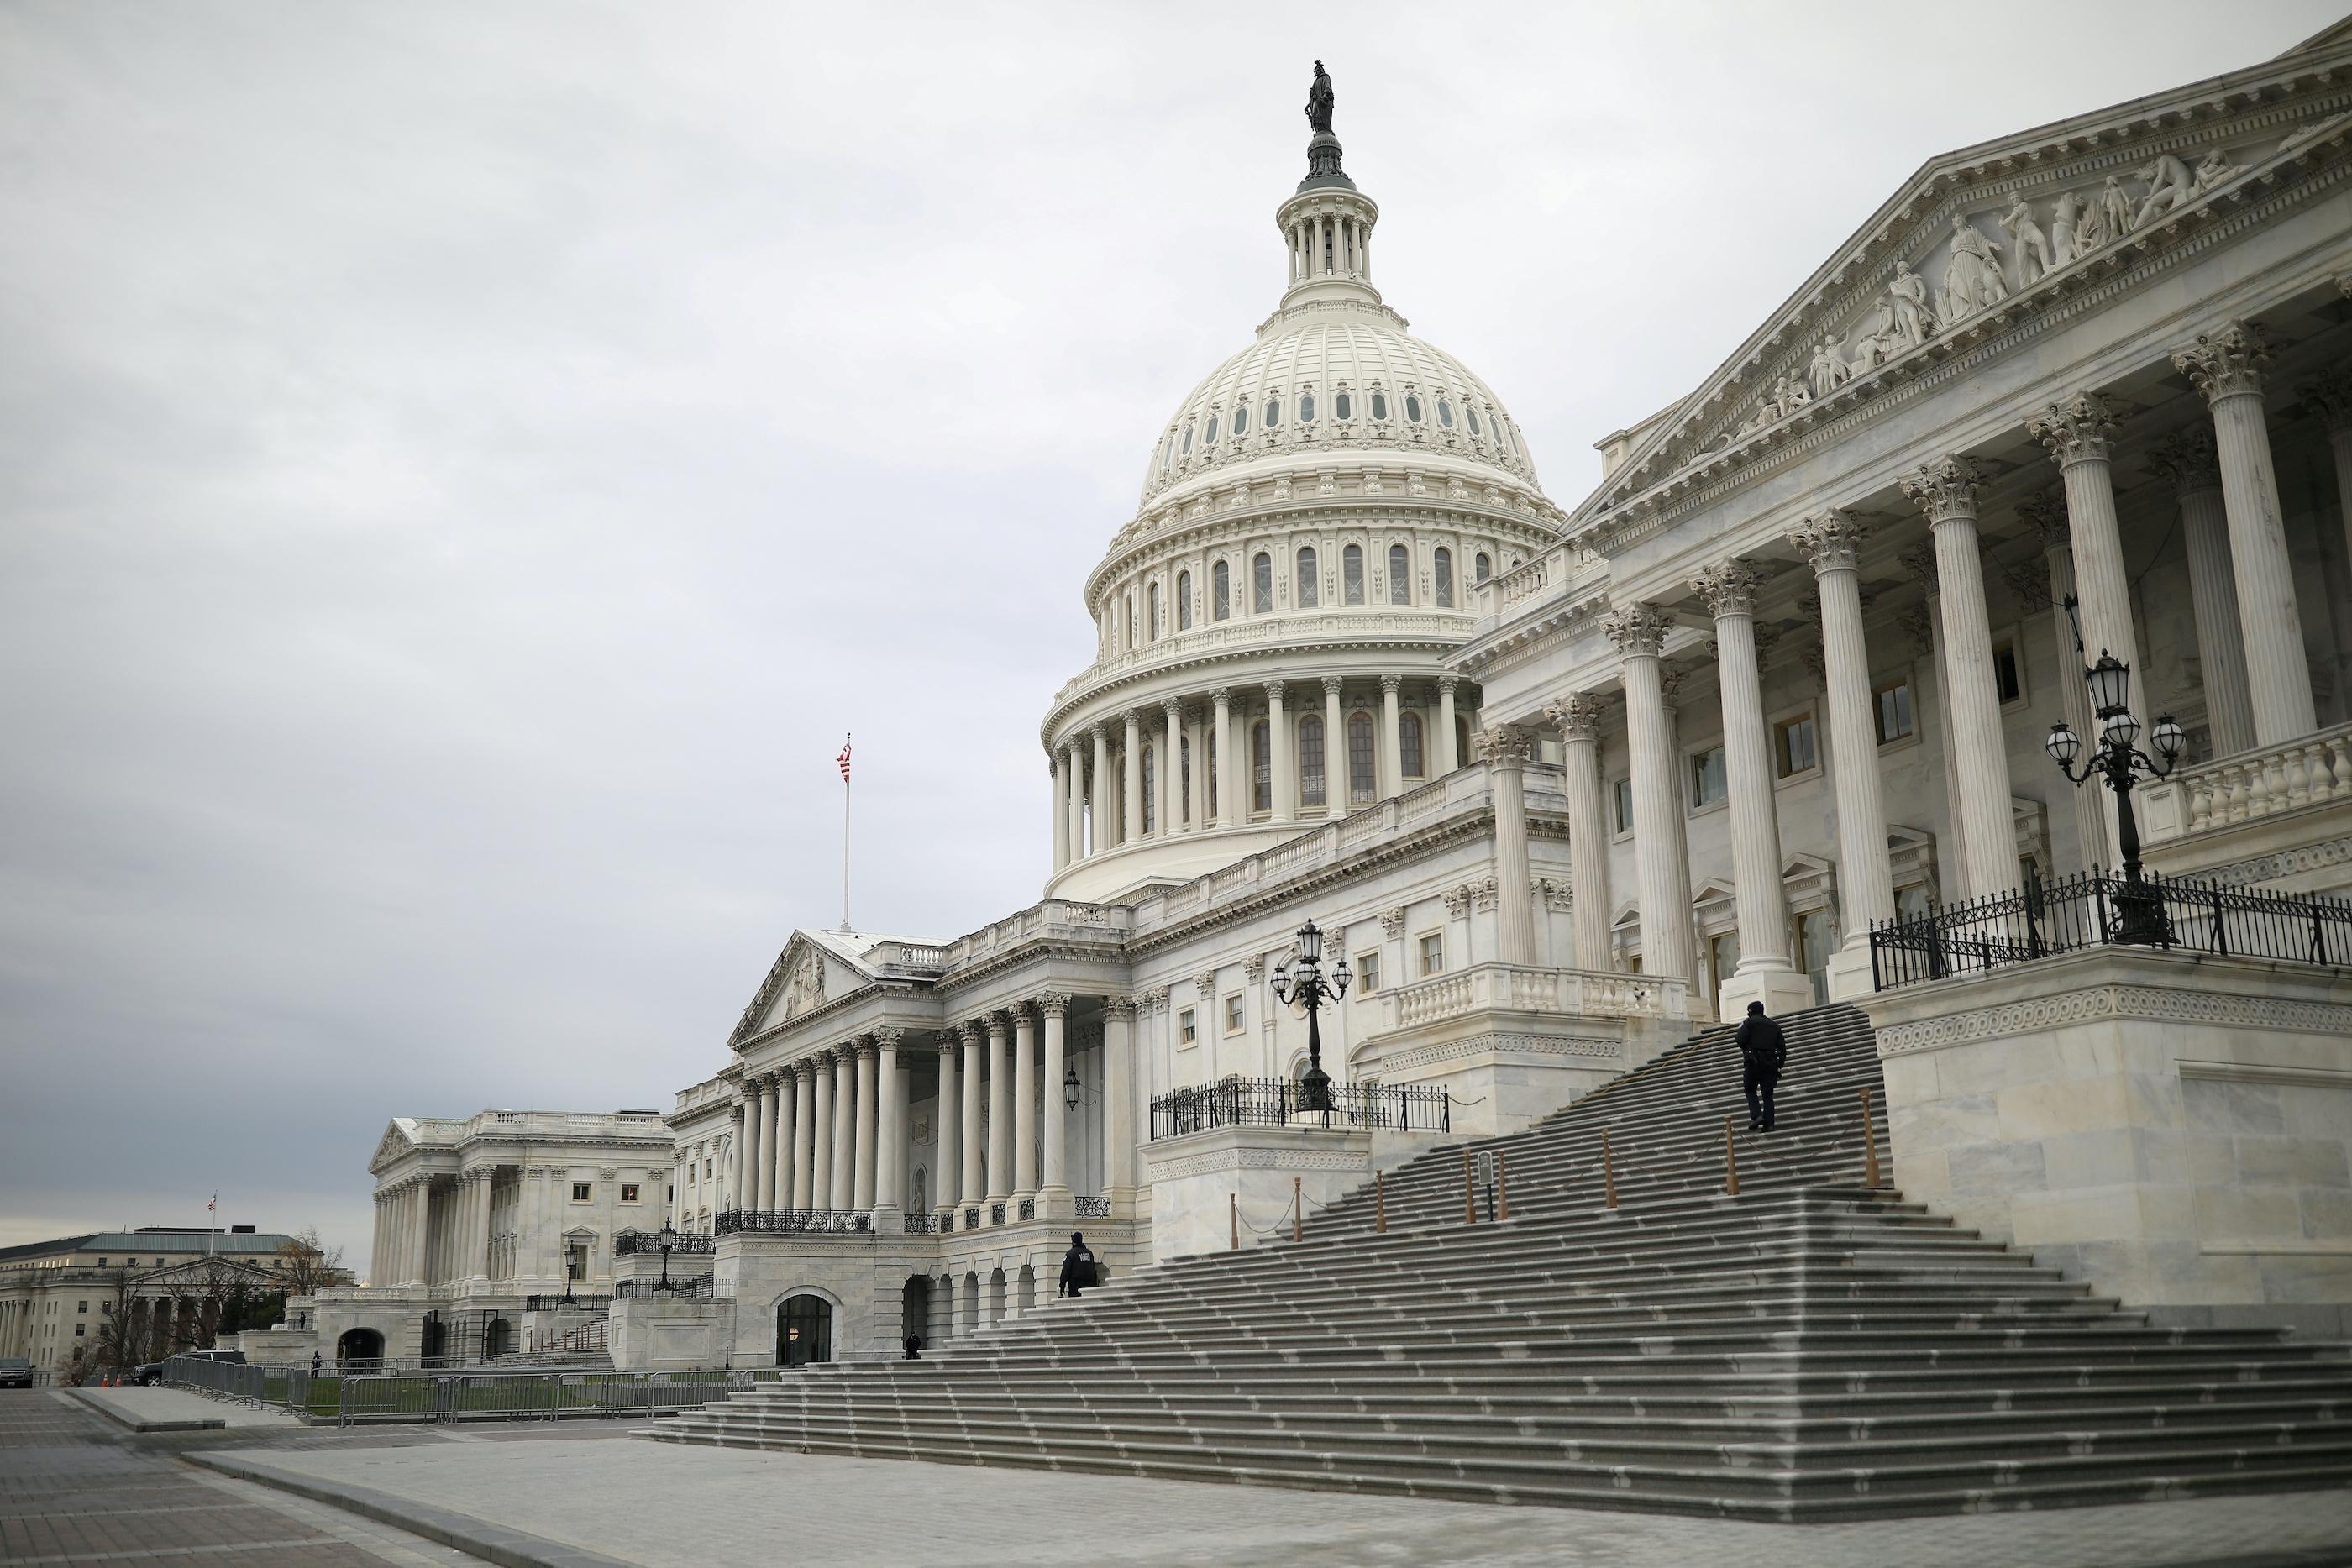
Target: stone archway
pixel 804 1330
pixel 359 1345
pixel 915 1308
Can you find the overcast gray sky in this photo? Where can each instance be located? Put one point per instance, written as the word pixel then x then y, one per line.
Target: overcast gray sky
pixel 463 466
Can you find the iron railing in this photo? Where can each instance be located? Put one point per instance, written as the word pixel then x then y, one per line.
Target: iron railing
pixel 921 1224
pixel 1094 1207
pixel 791 1221
pixel 683 1243
pixel 344 1399
pixel 1240 1102
pixel 701 1287
pixel 560 1304
pixel 2097 909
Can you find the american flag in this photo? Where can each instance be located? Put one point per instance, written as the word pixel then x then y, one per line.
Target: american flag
pixel 214 1205
pixel 843 758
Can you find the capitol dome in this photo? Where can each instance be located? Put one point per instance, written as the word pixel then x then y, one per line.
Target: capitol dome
pixel 1317 523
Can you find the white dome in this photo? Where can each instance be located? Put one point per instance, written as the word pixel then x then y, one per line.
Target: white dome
pixel 1344 377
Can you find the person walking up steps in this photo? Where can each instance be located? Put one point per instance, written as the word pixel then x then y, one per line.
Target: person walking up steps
pixel 1762 1052
pixel 1077 1267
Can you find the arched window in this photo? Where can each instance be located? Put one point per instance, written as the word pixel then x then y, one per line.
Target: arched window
pixel 1342 406
pixel 1130 620
pixel 1399 575
pixel 1273 413
pixel 1362 781
pixel 1409 744
pixel 1183 602
pixel 1446 413
pixel 1221 592
pixel 1441 568
pixel 1150 793
pixel 1241 419
pixel 1261 768
pixel 1482 568
pixel 1501 431
pixel 1306 408
pixel 1379 403
pixel 1352 574
pixel 1187 447
pixel 1184 779
pixel 1413 407
pixel 1210 438
pixel 1461 736
pixel 1159 627
pixel 1310 589
pixel 1311 760
pixel 1470 413
pixel 1262 584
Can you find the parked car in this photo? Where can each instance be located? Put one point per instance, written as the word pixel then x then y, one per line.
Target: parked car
pixel 147 1373
pixel 15 1372
pixel 229 1357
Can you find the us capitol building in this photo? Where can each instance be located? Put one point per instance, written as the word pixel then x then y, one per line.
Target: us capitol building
pixel 1565 783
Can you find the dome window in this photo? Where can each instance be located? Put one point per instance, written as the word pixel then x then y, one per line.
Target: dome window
pixel 1241 419
pixel 1444 413
pixel 1471 414
pixel 1221 589
pixel 1186 449
pixel 1413 407
pixel 1273 413
pixel 1399 575
pixel 1482 569
pixel 1262 584
pixel 1342 406
pixel 1310 589
pixel 1352 574
pixel 1441 569
pixel 1306 408
pixel 1210 439
pixel 1183 602
pixel 1380 405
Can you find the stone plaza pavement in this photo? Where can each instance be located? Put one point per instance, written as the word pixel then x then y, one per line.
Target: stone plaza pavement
pixel 665 1507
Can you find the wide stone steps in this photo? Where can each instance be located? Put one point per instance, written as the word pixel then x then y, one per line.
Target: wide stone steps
pixel 1807 1348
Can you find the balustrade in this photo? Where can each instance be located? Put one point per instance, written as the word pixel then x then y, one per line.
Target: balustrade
pixel 2309 770
pixel 1591 993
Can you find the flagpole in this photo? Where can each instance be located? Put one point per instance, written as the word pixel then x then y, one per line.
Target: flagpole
pixel 845 835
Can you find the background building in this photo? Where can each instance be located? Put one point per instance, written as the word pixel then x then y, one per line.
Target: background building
pixel 56 1297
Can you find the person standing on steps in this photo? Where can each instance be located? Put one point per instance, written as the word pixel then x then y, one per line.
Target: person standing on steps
pixel 1762 1052
pixel 1077 1267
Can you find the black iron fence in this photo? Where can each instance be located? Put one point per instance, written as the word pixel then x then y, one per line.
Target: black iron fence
pixel 2097 909
pixel 701 1287
pixel 791 1221
pixel 1276 1102
pixel 629 1243
pixel 567 1303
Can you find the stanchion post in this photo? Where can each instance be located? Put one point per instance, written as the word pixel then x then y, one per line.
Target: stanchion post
pixel 1608 1174
pixel 1298 1208
pixel 1503 1180
pixel 1380 1204
pixel 1870 1176
pixel 1730 1161
pixel 1235 1199
pixel 1469 1190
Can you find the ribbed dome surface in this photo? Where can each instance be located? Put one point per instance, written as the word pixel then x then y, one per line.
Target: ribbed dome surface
pixel 1339 377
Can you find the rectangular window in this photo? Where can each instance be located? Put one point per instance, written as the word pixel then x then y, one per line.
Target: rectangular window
pixel 1261 768
pixel 1262 585
pixel 1443 571
pixel 1368 972
pixel 1188 1025
pixel 1432 954
pixel 1310 761
pixel 80 1329
pixel 1222 590
pixel 1911 903
pixel 81 1306
pixel 579 1192
pixel 1708 783
pixel 1794 746
pixel 2006 677
pixel 628 1192
pixel 1892 701
pixel 1362 781
pixel 1233 1013
pixel 1621 804
pixel 1352 574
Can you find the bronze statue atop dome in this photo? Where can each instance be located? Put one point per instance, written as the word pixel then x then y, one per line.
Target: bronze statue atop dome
pixel 1323 170
pixel 1318 102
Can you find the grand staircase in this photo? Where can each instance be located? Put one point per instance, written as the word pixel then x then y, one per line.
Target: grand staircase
pixel 1810 1349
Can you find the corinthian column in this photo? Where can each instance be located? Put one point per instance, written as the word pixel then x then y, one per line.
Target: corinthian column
pixel 1132 814
pixel 1222 745
pixel 2188 460
pixel 1765 973
pixel 1505 749
pixel 747 1150
pixel 1946 491
pixel 1448 760
pixel 845 1126
pixel 862 1176
pixel 1578 719
pixel 1061 771
pixel 1391 775
pixel 1661 852
pixel 949 1114
pixel 2048 515
pixel 763 1152
pixel 1104 838
pixel 1000 1110
pixel 1280 755
pixel 2227 367
pixel 1024 1105
pixel 1075 770
pixel 1054 1185
pixel 804 1135
pixel 1119 1102
pixel 974 1186
pixel 2331 397
pixel 1170 779
pixel 1832 543
pixel 820 1147
pixel 1335 796
pixel 888 1154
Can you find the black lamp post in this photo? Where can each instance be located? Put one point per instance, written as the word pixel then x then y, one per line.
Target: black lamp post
pixel 2139 910
pixel 1308 987
pixel 669 1241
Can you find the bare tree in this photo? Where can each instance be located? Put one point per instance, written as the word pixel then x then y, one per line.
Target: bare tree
pixel 118 1348
pixel 306 1265
pixel 215 1296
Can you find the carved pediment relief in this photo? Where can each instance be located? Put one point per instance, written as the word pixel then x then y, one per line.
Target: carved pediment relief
pixel 395 1142
pixel 804 978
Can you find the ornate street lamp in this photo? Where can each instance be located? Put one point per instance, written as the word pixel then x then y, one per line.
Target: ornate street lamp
pixel 1308 988
pixel 2139 910
pixel 669 1241
pixel 1072 1090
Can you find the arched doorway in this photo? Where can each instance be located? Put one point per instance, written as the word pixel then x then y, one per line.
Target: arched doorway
pixel 804 1330
pixel 915 1308
pixel 359 1344
pixel 498 1338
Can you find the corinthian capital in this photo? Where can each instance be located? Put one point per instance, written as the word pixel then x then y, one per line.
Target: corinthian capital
pixel 1946 488
pixel 1637 629
pixel 1577 715
pixel 2075 429
pixel 1831 540
pixel 2045 514
pixel 2186 458
pixel 1505 745
pixel 1728 588
pixel 1054 1004
pixel 2225 362
pixel 2331 397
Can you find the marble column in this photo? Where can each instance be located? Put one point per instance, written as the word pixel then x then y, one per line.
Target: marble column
pixel 1131 817
pixel 2227 365
pixel 763 1155
pixel 1335 749
pixel 1119 1103
pixel 2187 459
pixel 1953 856
pixel 1061 769
pixel 844 1125
pixel 1075 828
pixel 1765 973
pixel 2047 514
pixel 1577 718
pixel 1448 758
pixel 1104 837
pixel 2075 433
pixel 948 1114
pixel 2331 398
pixel 1946 490
pixel 476 1268
pixel 1832 543
pixel 890 1154
pixel 419 1230
pixel 868 1120
pixel 1171 760
pixel 1000 1108
pixel 1661 850
pixel 1505 749
pixel 1228 812
pixel 1202 816
pixel 1391 773
pixel 1025 1103
pixel 1281 754
pixel 821 1188
pixel 1054 1181
pixel 974 1187
pixel 804 1137
pixel 747 1150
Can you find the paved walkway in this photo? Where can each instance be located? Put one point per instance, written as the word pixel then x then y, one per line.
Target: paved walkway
pixel 671 1507
pixel 178 1405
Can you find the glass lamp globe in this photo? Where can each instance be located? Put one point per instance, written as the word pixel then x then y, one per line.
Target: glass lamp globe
pixel 2110 681
pixel 1311 942
pixel 2169 738
pixel 2063 745
pixel 2122 727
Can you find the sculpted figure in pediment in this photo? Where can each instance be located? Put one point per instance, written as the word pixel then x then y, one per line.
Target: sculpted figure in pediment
pixel 2215 170
pixel 1829 370
pixel 2063 245
pixel 1907 298
pixel 807 987
pixel 2026 242
pixel 2114 211
pixel 2091 231
pixel 2170 188
pixel 1972 279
